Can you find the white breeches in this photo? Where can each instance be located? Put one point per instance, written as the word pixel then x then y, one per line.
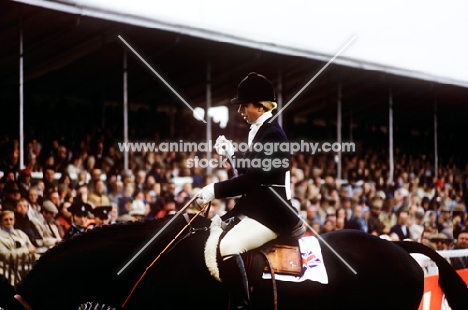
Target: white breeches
pixel 247 235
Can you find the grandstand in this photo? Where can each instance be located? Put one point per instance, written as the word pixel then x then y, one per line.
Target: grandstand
pixel 408 126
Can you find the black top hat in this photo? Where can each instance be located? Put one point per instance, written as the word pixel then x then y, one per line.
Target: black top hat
pixel 102 212
pixel 254 88
pixel 80 208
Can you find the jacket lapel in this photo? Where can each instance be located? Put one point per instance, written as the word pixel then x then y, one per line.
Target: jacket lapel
pixel 258 135
pixel 262 129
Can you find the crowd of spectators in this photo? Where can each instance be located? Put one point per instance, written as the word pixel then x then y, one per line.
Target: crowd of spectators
pixel 418 203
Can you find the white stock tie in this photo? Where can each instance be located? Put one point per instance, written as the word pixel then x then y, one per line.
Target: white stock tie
pixel 254 127
pixel 253 132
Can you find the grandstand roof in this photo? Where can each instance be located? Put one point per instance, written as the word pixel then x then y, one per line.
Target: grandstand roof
pixel 418 39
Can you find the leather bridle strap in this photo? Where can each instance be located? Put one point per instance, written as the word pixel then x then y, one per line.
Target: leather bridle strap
pixel 273 280
pixel 162 252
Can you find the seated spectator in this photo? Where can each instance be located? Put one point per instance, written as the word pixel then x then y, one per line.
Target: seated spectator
pixel 101 216
pixel 340 223
pixel 82 193
pixel 98 196
pixel 158 172
pixel 75 166
pixel 184 195
pixel 49 178
pixel 327 226
pixel 115 190
pixel 401 229
pixel 108 167
pixel 96 175
pixel 34 202
pixel 125 218
pixel 460 244
pixel 113 214
pixel 374 224
pixel 13 241
pixel 125 200
pixel 140 178
pixel 79 211
pixel 61 159
pixel 138 210
pixel 314 229
pixel 66 180
pixel 64 218
pixel 23 223
pixel 11 160
pixel 311 214
pixel 416 228
pixel 82 179
pixel 47 226
pixel 357 221
pixel 441 241
pixel 444 220
pixel 54 196
pixel 24 182
pixel 459 218
pixel 11 195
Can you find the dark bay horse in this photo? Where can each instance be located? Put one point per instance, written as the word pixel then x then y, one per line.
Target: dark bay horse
pixel 89 268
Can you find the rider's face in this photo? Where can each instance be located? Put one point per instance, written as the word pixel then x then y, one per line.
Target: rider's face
pixel 249 112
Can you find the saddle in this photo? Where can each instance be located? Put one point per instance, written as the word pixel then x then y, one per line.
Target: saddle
pixel 280 256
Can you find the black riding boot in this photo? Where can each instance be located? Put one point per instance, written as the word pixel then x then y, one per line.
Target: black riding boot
pixel 233 274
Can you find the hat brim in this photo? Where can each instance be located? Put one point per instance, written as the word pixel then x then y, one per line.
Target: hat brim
pixel 239 101
pixel 80 213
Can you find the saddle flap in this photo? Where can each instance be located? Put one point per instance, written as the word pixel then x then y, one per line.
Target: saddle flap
pixel 285 259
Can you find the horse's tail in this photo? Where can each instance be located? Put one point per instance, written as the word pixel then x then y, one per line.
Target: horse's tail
pixel 7 296
pixel 453 286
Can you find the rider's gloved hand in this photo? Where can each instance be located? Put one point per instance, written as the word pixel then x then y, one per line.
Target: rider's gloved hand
pixel 224 147
pixel 206 194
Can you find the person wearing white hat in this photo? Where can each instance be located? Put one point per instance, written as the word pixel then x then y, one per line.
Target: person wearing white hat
pixel 138 209
pixel 47 226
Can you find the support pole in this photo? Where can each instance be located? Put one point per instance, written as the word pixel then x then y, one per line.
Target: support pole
pixel 125 105
pixel 338 134
pixel 208 118
pixel 279 96
pixel 436 153
pixel 21 98
pixel 390 137
pixel 351 122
